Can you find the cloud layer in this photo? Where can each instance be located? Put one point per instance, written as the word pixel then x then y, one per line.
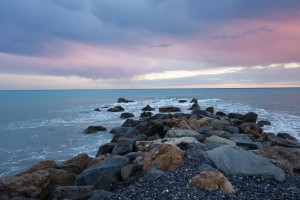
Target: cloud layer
pixel 150 43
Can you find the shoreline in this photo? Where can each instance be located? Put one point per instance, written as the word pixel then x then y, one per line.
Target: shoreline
pixel 203 131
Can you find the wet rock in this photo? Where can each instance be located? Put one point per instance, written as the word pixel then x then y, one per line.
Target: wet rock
pixel 176 133
pixel 161 116
pixel 128 171
pixel 35 184
pixel 151 128
pixel 286 136
pixel 210 109
pixel 236 122
pixel 195 106
pixel 253 129
pixel 105 148
pixel 182 101
pixel 123 146
pixel 101 194
pixel 111 167
pixel 148 108
pixel 98 159
pixel 123 100
pixel 212 180
pixel 146 114
pixel 153 175
pixel 127 115
pixel 263 123
pixel 205 130
pixel 286 158
pixel 235 116
pixel 278 141
pixel 250 145
pixel 123 132
pixel 250 117
pixel 116 109
pixel 231 160
pixel 194 100
pixel 61 177
pixel 164 157
pixel 42 165
pixel 165 109
pixel 221 114
pixel 72 192
pixel 133 155
pixel 130 123
pixel 97 109
pixel 77 164
pixel 93 129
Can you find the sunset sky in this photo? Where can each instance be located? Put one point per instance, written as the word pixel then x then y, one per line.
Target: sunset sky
pixel 99 44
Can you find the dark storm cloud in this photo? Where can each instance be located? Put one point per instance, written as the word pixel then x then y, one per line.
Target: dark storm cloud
pixel 26 26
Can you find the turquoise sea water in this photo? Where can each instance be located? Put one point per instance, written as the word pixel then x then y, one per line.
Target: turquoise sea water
pixel 37 125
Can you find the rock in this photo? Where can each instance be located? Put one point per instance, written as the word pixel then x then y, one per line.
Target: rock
pixel 151 128
pixel 212 180
pixel 231 160
pixel 263 123
pixel 194 100
pixel 146 114
pixel 278 141
pixel 235 116
pixel 195 123
pixel 142 145
pixel 123 132
pixel 182 101
pixel 287 136
pixel 130 123
pixel 177 141
pixel 161 116
pixel 164 157
pixel 148 108
pixel 97 109
pixel 101 194
pixel 231 129
pixel 176 133
pixel 123 100
pixel 220 133
pixel 42 165
pixel 116 109
pixel 195 106
pixel 286 158
pixel 236 122
pixel 250 117
pixel 165 109
pixel 77 164
pixel 93 129
pixel 253 129
pixel 61 177
pixel 203 113
pixel 249 145
pixel 128 171
pixel 105 148
pixel 72 192
pixel 221 114
pixel 98 159
pixel 133 155
pixel 153 137
pixel 123 146
pixel 111 167
pixel 35 184
pixel 105 182
pixel 196 154
pixel 153 175
pixel 210 109
pixel 127 115
pixel 219 140
pixel 206 167
pixel 205 130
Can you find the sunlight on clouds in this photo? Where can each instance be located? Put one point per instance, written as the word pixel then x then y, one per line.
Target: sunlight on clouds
pixel 291 65
pixel 185 73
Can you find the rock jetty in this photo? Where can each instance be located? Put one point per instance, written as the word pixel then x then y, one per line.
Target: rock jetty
pixel 172 155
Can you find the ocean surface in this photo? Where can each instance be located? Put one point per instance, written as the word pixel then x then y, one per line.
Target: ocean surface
pixel 38 125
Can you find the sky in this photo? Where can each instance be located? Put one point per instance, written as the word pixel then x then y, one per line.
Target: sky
pixel 106 44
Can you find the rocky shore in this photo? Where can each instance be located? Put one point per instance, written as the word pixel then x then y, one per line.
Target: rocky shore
pixel 171 155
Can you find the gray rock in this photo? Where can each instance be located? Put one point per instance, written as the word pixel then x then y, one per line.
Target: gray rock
pixel 241 138
pixel 206 167
pixel 154 175
pixel 176 141
pixel 116 109
pixel 72 192
pixel 205 130
pixel 250 117
pixel 101 194
pixel 123 100
pixel 286 136
pixel 133 155
pixel 105 182
pixel 176 133
pixel 182 101
pixel 146 114
pixel 61 177
pixel 195 106
pixel 148 108
pixel 250 145
pixel 196 154
pixel 219 140
pixel 263 123
pixel 127 115
pixel 275 140
pixel 128 171
pixel 122 132
pixel 130 123
pixel 210 109
pixel 221 114
pixel 231 160
pixel 235 115
pixel 111 166
pixel 153 137
pixel 123 146
pixel 165 109
pixel 93 129
pixel 105 148
pixel 231 129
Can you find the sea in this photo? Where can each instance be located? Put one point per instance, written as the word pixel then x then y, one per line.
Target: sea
pixel 49 124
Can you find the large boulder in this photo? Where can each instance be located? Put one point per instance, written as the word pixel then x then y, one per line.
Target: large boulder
pixel 279 141
pixel 177 141
pixel 176 133
pixel 105 148
pixel 72 192
pixel 116 109
pixel 231 160
pixel 123 132
pixel 77 164
pixel 219 140
pixel 263 123
pixel 61 177
pixel 123 100
pixel 111 167
pixel 235 115
pixel 150 128
pixel 146 114
pixel 287 137
pixel 212 180
pixel 165 109
pixel 195 106
pixel 196 123
pixel 130 123
pixel 35 184
pixel 127 115
pixel 287 158
pixel 210 109
pixel 93 129
pixel 123 146
pixel 148 108
pixel 164 157
pixel 253 129
pixel 250 117
pixel 42 165
pixel 128 171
